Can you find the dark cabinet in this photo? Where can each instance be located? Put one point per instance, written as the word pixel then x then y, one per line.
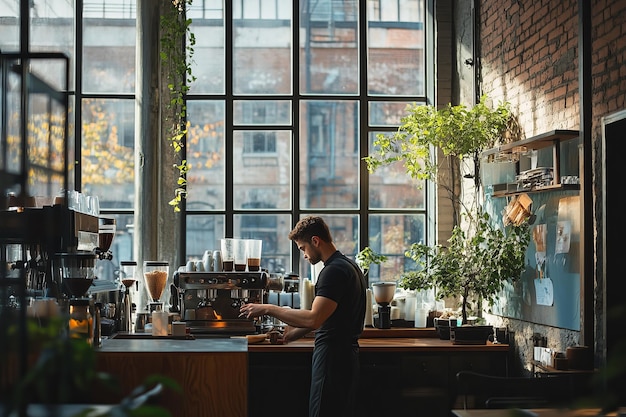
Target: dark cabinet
pixel 278 383
pixel 412 383
pixel 408 383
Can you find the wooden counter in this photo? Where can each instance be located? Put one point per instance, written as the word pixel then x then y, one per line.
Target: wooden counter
pixel 415 371
pixel 212 373
pixel 226 377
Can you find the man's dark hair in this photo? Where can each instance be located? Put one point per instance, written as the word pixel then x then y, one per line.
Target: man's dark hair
pixel 311 226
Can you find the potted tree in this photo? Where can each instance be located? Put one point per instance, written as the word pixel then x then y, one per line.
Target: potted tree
pixel 474 265
pixel 480 256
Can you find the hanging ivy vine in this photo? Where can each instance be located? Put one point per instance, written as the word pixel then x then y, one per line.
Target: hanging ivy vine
pixel 176 52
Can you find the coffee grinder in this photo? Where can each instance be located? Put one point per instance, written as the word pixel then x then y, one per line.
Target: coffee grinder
pixel 128 270
pixel 74 273
pixel 383 294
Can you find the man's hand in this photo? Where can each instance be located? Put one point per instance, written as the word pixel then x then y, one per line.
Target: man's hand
pixel 252 310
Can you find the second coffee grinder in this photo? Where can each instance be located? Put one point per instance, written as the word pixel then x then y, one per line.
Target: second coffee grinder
pixel 383 294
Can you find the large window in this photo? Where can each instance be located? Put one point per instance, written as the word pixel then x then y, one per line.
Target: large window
pixel 288 99
pixel 294 95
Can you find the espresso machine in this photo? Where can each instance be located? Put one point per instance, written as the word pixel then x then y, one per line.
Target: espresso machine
pixel 209 302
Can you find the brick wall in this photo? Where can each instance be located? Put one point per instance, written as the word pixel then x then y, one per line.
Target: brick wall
pixel 529 57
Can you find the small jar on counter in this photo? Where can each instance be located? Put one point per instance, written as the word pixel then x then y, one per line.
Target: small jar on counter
pixel 81 320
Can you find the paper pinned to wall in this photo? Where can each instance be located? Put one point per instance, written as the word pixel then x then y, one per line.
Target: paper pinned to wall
pixel 563 236
pixel 544 291
pixel 569 210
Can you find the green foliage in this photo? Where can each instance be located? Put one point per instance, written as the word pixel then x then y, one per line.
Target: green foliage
pixel 474 265
pixel 476 261
pixel 181 190
pixel 175 32
pixel 64 371
pixel 456 130
pixel 367 257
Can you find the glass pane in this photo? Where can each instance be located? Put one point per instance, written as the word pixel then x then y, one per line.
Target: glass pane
pixel 273 230
pixel 259 113
pixel 46 134
pixel 45 146
pixel 207 9
pixel 109 9
pixel 391 235
pixel 344 229
pixel 207 64
pixel 385 113
pixel 262 54
pixel 205 154
pixel 52 28
pixel 72 142
pixel 109 53
pixel 329 154
pixel 11 156
pixel 10 27
pixel 390 187
pixel 108 151
pixel 262 169
pixel 203 231
pixel 329 61
pixel 396 48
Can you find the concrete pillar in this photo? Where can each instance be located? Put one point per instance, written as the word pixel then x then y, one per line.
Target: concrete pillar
pixel 156 225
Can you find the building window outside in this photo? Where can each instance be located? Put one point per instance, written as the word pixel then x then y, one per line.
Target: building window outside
pixel 283 95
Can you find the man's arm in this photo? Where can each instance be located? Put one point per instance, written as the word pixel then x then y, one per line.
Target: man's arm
pixel 311 319
pixel 294 333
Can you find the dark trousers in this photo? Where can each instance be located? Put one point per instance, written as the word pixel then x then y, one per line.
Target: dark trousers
pixel 334 380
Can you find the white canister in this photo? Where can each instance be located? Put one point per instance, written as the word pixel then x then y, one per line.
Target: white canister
pixel 217 261
pixel 207 260
pixel 396 313
pixel 159 321
pixel 421 315
pixel 307 293
pixel 400 304
pixel 409 307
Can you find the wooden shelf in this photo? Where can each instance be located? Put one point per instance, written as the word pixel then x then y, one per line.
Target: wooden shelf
pixel 552 139
pixel 536 142
pixel 557 187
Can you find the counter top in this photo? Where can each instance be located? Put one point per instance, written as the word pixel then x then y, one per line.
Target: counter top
pixel 373 340
pixel 396 344
pixel 163 344
pixel 422 332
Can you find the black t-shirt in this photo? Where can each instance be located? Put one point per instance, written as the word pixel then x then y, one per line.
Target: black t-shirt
pixel 342 281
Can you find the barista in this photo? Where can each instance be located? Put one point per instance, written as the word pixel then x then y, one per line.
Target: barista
pixel 337 315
